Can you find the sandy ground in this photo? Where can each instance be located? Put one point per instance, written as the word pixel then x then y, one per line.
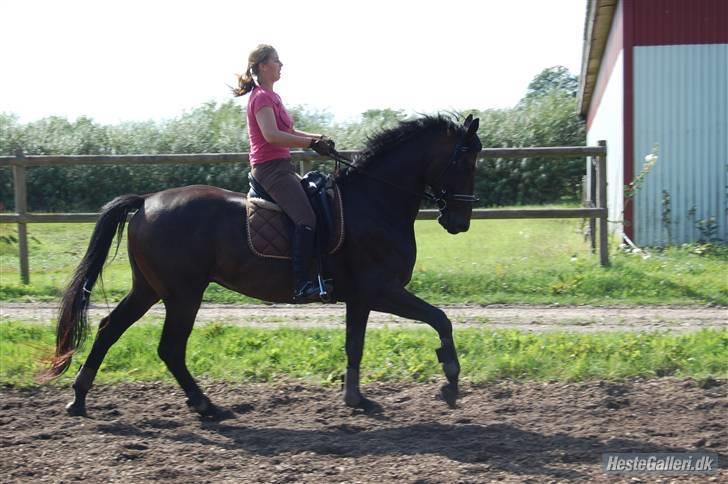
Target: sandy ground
pixel 527 318
pixel 298 432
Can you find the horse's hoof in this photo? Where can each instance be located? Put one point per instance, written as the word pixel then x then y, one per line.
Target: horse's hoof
pixel 352 399
pixel 362 403
pixel 214 413
pixel 200 404
pixel 76 410
pixel 208 410
pixel 449 393
pixel 370 406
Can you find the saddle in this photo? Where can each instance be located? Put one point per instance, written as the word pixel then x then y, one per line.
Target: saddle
pixel 270 230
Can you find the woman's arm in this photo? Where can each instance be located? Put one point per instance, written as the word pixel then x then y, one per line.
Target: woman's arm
pixel 306 134
pixel 267 123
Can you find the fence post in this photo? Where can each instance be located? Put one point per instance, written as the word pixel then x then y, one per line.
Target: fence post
pixel 21 208
pixel 602 203
pixel 592 203
pixel 304 167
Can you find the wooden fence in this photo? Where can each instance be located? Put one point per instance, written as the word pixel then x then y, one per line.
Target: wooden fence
pixel 596 203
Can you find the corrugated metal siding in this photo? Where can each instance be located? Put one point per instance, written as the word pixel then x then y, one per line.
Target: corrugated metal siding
pixel 607 125
pixel 681 104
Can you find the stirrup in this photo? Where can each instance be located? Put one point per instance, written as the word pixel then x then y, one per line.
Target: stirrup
pixel 326 289
pixel 307 293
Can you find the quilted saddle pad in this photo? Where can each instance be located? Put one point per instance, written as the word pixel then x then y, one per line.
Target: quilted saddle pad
pixel 270 230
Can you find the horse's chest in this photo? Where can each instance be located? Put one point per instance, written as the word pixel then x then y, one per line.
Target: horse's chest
pixel 393 256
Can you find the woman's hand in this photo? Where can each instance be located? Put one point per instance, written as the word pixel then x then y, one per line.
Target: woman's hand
pixel 323 146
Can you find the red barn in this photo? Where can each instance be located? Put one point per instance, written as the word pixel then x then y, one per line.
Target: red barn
pixel 654 80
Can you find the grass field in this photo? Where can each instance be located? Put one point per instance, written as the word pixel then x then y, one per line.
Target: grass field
pixel 497 261
pixel 244 354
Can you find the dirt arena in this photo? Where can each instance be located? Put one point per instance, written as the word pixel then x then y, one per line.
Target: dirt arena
pixel 297 432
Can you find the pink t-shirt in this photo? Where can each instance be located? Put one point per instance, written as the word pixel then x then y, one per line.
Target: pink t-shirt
pixel 260 150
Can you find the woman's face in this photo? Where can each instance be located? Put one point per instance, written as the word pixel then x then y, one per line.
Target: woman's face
pixel 271 68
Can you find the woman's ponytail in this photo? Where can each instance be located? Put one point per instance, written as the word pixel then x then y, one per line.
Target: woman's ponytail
pixel 246 83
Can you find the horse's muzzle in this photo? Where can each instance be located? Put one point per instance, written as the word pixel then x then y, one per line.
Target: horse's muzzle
pixel 453 224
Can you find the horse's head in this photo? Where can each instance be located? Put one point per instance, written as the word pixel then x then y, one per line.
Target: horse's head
pixel 453 180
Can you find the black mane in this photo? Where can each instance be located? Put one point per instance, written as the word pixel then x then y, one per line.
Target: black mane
pixel 386 140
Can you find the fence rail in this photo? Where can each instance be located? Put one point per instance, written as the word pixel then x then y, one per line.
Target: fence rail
pixel 203 158
pixel 596 201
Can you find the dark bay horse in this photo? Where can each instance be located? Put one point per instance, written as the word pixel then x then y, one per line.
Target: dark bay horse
pixel 180 240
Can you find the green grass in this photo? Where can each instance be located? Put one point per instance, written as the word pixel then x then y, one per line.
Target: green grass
pixel 252 355
pixel 497 261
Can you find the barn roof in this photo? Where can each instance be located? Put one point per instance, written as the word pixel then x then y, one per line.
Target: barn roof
pixel 599 14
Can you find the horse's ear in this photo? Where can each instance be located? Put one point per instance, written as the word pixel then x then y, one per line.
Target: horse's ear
pixel 468 120
pixel 472 127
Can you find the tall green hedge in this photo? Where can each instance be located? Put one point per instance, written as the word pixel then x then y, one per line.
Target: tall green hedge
pixel 546 119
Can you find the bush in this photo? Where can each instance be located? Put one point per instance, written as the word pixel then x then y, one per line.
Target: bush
pixel 547 120
pixel 547 116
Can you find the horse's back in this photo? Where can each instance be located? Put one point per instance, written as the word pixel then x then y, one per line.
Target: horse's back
pixel 192 198
pixel 185 227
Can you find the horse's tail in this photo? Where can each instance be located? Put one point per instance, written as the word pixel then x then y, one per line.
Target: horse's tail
pixel 72 316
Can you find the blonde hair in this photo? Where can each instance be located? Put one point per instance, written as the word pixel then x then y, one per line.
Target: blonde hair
pixel 246 82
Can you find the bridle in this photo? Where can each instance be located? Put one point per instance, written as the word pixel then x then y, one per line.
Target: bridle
pixel 440 198
pixel 444 196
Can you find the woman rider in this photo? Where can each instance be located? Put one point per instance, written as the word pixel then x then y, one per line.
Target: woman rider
pixel 271 133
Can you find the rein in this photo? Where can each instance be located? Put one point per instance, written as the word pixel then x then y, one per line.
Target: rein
pixel 341 159
pixel 440 199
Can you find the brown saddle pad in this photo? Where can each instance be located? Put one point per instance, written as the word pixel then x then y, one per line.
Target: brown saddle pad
pixel 269 228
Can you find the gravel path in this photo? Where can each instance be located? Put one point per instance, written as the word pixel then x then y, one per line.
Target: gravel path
pixel 528 318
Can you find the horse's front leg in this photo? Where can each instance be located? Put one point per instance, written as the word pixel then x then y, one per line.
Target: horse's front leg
pixel 357 315
pixel 402 303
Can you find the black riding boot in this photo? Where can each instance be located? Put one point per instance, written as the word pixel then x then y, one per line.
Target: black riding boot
pixel 303 244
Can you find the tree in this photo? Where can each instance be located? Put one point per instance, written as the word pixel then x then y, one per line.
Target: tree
pixel 546 116
pixel 557 78
pixel 549 119
pixel 353 135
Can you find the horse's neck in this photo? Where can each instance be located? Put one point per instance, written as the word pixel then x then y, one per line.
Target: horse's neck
pixel 394 184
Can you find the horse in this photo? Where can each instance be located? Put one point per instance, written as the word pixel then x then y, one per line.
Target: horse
pixel 182 239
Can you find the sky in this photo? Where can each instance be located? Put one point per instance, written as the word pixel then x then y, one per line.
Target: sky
pixel 130 60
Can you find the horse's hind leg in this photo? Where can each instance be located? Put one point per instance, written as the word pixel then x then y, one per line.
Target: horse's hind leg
pixel 127 312
pixel 181 313
pixel 357 314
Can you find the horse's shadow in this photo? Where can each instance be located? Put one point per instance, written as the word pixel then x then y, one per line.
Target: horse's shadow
pixel 499 446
